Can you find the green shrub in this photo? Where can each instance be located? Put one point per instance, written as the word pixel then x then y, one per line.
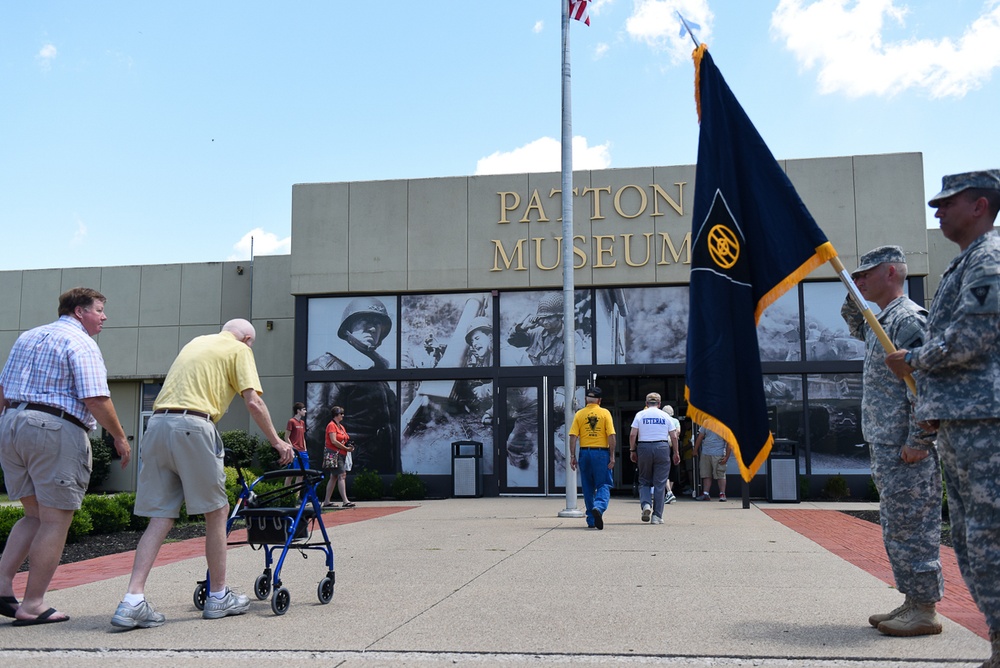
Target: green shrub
pixel 100 452
pixel 365 486
pixel 9 515
pixel 836 488
pixel 106 514
pixel 81 526
pixel 267 495
pixel 408 487
pixel 240 446
pixel 267 456
pixel 127 501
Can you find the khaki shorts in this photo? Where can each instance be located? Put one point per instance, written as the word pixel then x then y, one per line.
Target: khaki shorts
pixel 712 467
pixel 181 461
pixel 45 457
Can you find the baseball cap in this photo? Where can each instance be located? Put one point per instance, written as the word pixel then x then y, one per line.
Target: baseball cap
pixel 653 398
pixel 987 179
pixel 877 256
pixel 594 392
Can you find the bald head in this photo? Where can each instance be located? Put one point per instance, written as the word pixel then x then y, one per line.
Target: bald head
pixel 242 330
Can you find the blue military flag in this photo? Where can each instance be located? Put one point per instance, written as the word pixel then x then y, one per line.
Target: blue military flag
pixel 752 239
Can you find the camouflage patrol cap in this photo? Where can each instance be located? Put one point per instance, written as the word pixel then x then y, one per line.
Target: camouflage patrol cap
pixel 988 179
pixel 877 256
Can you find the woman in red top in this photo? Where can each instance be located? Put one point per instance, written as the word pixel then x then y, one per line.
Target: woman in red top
pixel 337 443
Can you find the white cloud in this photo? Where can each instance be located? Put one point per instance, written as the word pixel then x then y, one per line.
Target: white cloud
pixel 539 25
pixel 600 50
pixel 655 22
pixel 46 55
pixel 545 155
pixel 844 40
pixel 264 243
pixel 80 234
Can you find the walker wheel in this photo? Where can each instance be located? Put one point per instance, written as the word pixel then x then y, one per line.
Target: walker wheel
pixel 200 593
pixel 262 586
pixel 280 601
pixel 325 590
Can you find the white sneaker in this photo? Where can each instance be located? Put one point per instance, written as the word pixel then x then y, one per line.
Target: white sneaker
pixel 142 615
pixel 669 498
pixel 656 520
pixel 230 604
pixel 647 510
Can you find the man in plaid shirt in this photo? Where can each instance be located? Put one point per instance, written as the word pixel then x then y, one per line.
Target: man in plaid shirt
pixel 53 392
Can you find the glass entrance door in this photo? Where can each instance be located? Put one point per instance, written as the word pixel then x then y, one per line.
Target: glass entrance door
pixel 522 446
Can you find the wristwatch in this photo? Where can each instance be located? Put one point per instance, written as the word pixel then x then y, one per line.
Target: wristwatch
pixel 908 357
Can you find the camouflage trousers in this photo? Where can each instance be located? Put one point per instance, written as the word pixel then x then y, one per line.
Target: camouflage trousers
pixel 910 510
pixel 970 452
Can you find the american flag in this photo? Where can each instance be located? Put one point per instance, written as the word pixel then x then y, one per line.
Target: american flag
pixel 578 11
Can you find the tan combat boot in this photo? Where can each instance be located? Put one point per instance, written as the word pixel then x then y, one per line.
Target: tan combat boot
pixel 919 620
pixel 875 620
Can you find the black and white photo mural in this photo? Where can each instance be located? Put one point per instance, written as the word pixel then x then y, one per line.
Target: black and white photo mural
pixel 445 332
pixel 531 328
pixel 354 334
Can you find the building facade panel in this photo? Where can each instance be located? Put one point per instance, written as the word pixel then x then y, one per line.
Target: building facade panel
pixel 437 233
pixel 671 232
pixel 120 348
pixel 201 293
pixel 160 295
pixel 377 259
pixel 40 290
pixel 320 247
pixel 124 283
pixel 892 205
pixel 10 301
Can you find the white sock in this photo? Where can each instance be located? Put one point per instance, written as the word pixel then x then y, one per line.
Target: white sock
pixel 133 599
pixel 219 594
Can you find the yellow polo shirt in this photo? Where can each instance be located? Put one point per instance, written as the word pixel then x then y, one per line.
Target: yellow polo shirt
pixel 208 373
pixel 592 425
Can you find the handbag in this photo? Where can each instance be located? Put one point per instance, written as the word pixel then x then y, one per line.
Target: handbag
pixel 330 459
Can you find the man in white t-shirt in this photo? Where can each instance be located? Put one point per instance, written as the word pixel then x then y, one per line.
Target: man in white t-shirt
pixel 651 439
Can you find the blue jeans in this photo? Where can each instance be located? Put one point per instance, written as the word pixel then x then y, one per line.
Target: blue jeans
pixel 595 479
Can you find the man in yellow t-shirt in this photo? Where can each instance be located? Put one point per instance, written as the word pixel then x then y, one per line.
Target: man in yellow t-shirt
pixel 593 431
pixel 182 462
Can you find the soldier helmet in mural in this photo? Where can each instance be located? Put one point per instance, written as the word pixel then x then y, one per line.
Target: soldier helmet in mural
pixel 550 305
pixel 368 306
pixel 479 323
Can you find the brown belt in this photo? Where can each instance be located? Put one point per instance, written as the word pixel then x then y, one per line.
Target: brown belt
pixel 51 410
pixel 182 411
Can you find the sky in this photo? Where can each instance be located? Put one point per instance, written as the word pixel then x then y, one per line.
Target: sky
pixel 163 132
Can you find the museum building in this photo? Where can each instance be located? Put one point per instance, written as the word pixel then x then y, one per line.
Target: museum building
pixel 431 311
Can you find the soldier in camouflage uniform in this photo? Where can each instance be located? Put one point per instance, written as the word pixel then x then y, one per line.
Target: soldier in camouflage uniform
pixel 904 461
pixel 959 382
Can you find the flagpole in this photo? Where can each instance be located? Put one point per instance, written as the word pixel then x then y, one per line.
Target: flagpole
pixel 569 317
pixel 866 311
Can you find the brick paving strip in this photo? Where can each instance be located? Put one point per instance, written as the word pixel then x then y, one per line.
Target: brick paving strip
pixel 114 565
pixel 860 543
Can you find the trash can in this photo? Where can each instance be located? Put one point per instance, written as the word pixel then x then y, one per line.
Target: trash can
pixel 467 468
pixel 783 472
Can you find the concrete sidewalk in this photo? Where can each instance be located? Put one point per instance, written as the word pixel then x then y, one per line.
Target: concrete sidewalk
pixel 506 581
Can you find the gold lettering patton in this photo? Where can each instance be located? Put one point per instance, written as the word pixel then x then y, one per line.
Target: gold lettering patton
pixel 634 206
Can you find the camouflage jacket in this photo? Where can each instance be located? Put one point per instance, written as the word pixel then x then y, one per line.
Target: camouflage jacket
pixel 887 415
pixel 960 358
